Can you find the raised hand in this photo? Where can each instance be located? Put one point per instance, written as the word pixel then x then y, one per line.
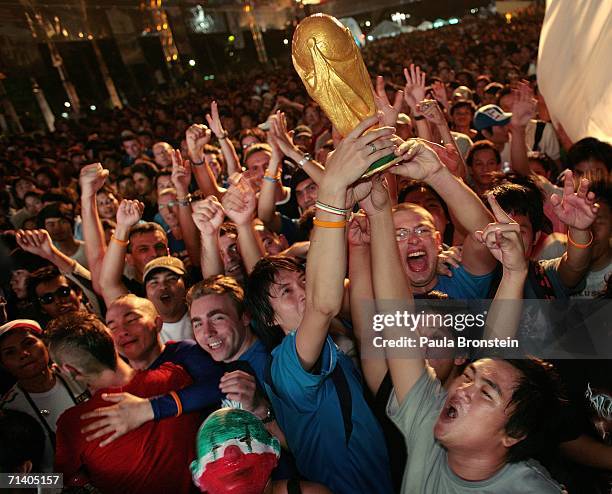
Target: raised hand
pixel 197 136
pixel 439 91
pixel 129 213
pixel 283 138
pixel 208 215
pixel 576 209
pixel 359 231
pixel 448 155
pixel 431 111
pixel 448 259
pixel 92 179
pixel 419 160
pixel 240 202
pixel 129 413
pixel 181 173
pixel 503 239
pixel 389 111
pixel 357 151
pixel 377 197
pixel 414 91
pixel 37 242
pixel 524 105
pixel 214 121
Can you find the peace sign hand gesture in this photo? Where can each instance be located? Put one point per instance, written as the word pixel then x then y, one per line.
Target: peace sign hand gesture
pixel 503 239
pixel 576 209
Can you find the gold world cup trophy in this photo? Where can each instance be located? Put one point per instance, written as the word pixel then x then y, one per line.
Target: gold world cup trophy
pixel 331 67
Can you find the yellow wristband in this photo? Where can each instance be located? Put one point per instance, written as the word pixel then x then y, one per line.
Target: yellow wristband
pixel 122 243
pixel 329 224
pixel 577 245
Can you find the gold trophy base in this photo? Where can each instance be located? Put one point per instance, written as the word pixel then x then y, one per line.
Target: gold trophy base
pixel 382 164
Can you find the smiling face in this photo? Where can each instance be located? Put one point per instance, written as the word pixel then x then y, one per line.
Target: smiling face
pixel 288 299
pixel 135 328
pixel 476 410
pixel 419 244
pixel 22 354
pixel 219 328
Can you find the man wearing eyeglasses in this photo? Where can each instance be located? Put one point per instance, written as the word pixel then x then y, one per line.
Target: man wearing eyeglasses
pixel 419 242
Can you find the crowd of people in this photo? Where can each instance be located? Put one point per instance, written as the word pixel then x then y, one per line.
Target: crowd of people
pixel 190 285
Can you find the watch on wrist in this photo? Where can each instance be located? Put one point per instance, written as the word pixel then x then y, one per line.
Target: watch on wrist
pixel 302 162
pixel 269 416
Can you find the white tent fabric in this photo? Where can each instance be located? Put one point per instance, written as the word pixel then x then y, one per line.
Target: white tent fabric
pixel 574 66
pixel 386 29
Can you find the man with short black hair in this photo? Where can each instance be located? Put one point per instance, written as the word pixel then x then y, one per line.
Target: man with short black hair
pixel 58 220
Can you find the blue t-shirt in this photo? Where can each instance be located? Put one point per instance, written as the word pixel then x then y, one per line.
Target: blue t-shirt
pixel 309 413
pixel 257 357
pixel 463 285
pixel 203 394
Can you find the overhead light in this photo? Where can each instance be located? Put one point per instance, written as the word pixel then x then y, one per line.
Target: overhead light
pixel 65 115
pixel 92 107
pixel 368 23
pixel 231 38
pixel 370 38
pixel 453 20
pixel 192 62
pixel 67 104
pixel 285 41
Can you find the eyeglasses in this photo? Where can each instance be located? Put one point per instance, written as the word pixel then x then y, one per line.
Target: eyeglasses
pixel 420 231
pixel 61 292
pixel 169 204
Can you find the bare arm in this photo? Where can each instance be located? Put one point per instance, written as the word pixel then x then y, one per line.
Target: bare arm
pixel 586 450
pixel 578 211
pixel 197 136
pixel 128 214
pixel 326 265
pixel 38 242
pixel 361 296
pixel 504 240
pixel 208 216
pixel 92 179
pixel 523 110
pixel 181 178
pixel 227 148
pixel 391 289
pixel 414 92
pixel 239 204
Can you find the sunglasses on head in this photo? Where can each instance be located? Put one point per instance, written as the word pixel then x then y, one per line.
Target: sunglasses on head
pixel 61 292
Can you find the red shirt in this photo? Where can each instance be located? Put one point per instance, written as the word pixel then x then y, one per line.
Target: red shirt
pixel 151 459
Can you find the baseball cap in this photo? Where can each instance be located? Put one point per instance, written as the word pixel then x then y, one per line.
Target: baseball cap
pixel 170 263
pixel 463 92
pixel 489 116
pixel 20 323
pixel 302 130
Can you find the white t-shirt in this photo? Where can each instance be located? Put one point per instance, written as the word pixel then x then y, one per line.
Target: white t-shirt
pixel 177 331
pixel 595 282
